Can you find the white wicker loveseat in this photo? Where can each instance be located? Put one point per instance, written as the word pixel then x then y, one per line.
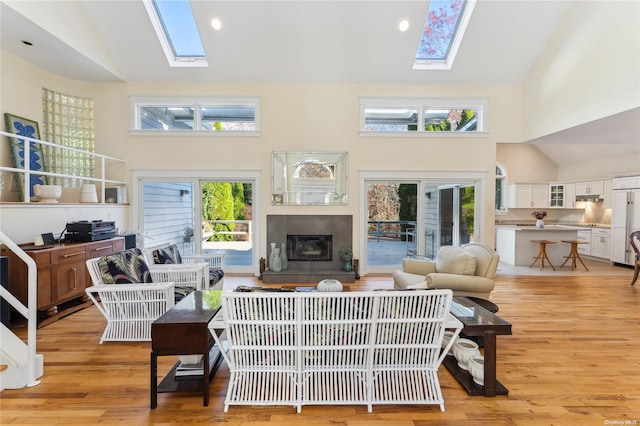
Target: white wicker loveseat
pixel 378 347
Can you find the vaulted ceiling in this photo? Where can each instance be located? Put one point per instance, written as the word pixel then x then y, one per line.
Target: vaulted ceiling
pixel 287 42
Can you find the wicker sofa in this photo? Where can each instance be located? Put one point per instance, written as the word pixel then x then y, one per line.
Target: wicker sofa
pixel 310 348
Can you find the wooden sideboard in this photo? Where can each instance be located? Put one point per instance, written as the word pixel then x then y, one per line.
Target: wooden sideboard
pixel 62 276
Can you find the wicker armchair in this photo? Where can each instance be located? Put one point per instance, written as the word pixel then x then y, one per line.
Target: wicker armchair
pixel 129 295
pixel 212 264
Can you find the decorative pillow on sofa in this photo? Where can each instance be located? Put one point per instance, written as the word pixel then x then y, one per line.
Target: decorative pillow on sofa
pixel 167 255
pixel 126 267
pixel 455 260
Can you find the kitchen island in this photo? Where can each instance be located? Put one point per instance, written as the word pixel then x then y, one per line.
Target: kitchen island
pixel 513 243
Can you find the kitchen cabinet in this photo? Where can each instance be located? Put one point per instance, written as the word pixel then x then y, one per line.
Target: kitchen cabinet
pixel 608 193
pixel 562 195
pixel 594 187
pixel 584 236
pixel 62 275
pixel 601 243
pixel 528 195
pixel 557 196
pixel 570 195
pixel 629 182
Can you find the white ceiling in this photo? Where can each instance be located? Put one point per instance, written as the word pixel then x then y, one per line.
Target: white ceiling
pixel 321 41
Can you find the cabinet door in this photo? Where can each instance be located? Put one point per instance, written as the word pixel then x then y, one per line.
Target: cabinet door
pixel 70 281
pixel 539 196
pixel 556 195
pixel 519 196
pixel 596 187
pixel 582 188
pixel 570 195
pixel 608 194
pixel 599 245
pixel 584 236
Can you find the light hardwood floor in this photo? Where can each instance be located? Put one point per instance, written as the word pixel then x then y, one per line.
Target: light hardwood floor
pixel 573 359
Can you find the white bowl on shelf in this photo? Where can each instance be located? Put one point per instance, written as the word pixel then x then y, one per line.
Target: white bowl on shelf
pixel 47 193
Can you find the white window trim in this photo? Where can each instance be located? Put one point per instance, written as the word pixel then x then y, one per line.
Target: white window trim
pixel 136 102
pixel 421 104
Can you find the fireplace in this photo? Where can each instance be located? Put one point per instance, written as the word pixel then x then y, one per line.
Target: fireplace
pixel 316 248
pixel 318 239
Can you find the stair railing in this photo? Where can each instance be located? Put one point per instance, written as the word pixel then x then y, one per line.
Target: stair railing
pixel 30 312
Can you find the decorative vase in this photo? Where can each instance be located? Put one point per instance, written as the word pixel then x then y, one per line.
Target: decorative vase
pixel 277 262
pixel 446 339
pixel 88 193
pixel 347 265
pixel 283 256
pixel 272 255
pixel 476 369
pixel 329 285
pixel 539 223
pixel 464 350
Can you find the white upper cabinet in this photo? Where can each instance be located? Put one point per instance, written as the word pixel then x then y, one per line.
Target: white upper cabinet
pixel 527 196
pixel 594 187
pixel 570 195
pixel 630 182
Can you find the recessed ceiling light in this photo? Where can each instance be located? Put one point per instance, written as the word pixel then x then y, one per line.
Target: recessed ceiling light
pixel 404 25
pixel 216 24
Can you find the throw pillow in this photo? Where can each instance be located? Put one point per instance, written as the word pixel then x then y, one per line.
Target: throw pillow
pixel 126 267
pixel 455 260
pixel 165 255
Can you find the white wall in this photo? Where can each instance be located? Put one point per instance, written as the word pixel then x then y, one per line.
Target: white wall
pixel 589 70
pixel 294 117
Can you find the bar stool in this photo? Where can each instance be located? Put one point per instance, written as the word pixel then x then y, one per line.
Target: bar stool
pixel 573 254
pixel 542 253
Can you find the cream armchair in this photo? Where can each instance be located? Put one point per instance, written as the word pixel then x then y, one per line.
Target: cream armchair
pixel 468 271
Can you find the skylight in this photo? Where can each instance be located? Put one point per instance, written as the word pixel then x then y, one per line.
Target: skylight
pixel 442 34
pixel 176 29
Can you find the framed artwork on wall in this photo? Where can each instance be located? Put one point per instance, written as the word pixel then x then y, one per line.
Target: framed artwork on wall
pixel 28 128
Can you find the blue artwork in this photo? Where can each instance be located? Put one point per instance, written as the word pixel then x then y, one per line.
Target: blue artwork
pixel 28 128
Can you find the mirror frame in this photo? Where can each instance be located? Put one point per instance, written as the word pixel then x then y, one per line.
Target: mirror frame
pixel 288 189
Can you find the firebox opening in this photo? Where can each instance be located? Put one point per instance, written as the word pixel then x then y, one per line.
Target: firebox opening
pixel 309 247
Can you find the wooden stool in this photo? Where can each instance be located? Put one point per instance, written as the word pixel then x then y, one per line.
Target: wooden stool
pixel 573 254
pixel 542 253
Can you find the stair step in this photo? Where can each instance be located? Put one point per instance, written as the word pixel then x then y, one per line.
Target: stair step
pixel 3 367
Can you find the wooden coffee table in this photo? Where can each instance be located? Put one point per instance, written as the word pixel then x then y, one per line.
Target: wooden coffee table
pixel 478 321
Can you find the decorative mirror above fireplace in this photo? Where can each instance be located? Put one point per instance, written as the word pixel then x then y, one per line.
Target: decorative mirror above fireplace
pixel 309 178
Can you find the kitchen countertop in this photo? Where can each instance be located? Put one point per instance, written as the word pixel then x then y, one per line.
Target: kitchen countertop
pixel 550 227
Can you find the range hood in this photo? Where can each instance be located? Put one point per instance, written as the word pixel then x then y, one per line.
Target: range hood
pixel 590 197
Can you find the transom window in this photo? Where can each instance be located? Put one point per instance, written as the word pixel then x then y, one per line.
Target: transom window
pixel 393 115
pixel 196 116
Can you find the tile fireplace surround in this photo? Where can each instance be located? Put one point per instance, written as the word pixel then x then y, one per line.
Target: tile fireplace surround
pixel 340 227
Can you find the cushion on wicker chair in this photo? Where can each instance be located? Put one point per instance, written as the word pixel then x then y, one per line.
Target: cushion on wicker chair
pixel 165 255
pixel 125 267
